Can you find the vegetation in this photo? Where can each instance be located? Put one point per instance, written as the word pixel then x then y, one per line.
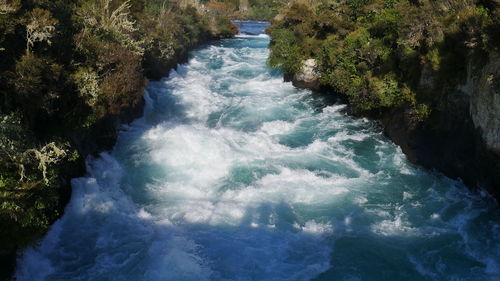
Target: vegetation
pixel 384 54
pixel 65 66
pixel 252 9
pixel 264 9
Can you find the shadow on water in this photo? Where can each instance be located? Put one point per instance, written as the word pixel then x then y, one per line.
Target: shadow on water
pixel 116 240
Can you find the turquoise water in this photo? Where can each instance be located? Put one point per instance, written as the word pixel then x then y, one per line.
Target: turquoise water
pixel 233 174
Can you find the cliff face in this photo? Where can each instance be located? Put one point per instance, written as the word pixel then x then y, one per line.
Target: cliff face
pixel 463 143
pixel 485 103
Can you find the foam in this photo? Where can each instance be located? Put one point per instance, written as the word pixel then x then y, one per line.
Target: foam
pixel 344 136
pixel 400 161
pixel 294 186
pixel 252 36
pixel 276 127
pixel 397 226
pixel 189 152
pixel 317 228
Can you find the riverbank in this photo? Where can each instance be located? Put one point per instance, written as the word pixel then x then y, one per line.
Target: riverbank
pixel 455 148
pixel 66 96
pixel 434 91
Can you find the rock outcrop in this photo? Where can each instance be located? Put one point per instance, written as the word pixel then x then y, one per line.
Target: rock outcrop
pixel 464 141
pixel 485 104
pixel 308 77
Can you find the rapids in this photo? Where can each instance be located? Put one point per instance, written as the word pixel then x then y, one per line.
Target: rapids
pixel 233 174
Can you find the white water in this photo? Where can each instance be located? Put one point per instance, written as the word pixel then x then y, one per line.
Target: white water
pixel 234 175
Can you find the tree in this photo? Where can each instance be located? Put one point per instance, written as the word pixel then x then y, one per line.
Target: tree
pixel 9 8
pixel 40 26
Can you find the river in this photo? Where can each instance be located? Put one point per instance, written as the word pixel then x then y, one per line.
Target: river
pixel 233 174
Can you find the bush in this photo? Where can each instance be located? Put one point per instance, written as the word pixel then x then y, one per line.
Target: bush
pixel 29 184
pixel 123 85
pixel 36 83
pixel 285 51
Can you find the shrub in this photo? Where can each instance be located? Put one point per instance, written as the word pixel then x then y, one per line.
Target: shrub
pixel 87 82
pixel 285 51
pixel 122 79
pixel 103 19
pixel 36 83
pixel 29 184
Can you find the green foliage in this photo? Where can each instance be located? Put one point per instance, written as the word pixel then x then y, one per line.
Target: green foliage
pixel 247 9
pixel 123 83
pixel 286 51
pixel 8 11
pixel 224 27
pixel 218 18
pixel 419 113
pixel 115 24
pixel 87 82
pixel 293 40
pixel 261 9
pixel 378 52
pixel 29 182
pixel 35 83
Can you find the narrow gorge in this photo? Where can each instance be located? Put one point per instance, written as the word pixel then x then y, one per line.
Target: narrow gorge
pixel 233 174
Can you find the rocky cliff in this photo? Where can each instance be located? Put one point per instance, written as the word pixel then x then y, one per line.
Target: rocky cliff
pixel 484 92
pixel 429 71
pixel 463 143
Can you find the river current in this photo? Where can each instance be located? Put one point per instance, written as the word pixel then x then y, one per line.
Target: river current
pixel 233 174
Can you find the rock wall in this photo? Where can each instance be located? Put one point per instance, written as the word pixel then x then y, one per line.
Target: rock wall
pixel 485 104
pixel 463 141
